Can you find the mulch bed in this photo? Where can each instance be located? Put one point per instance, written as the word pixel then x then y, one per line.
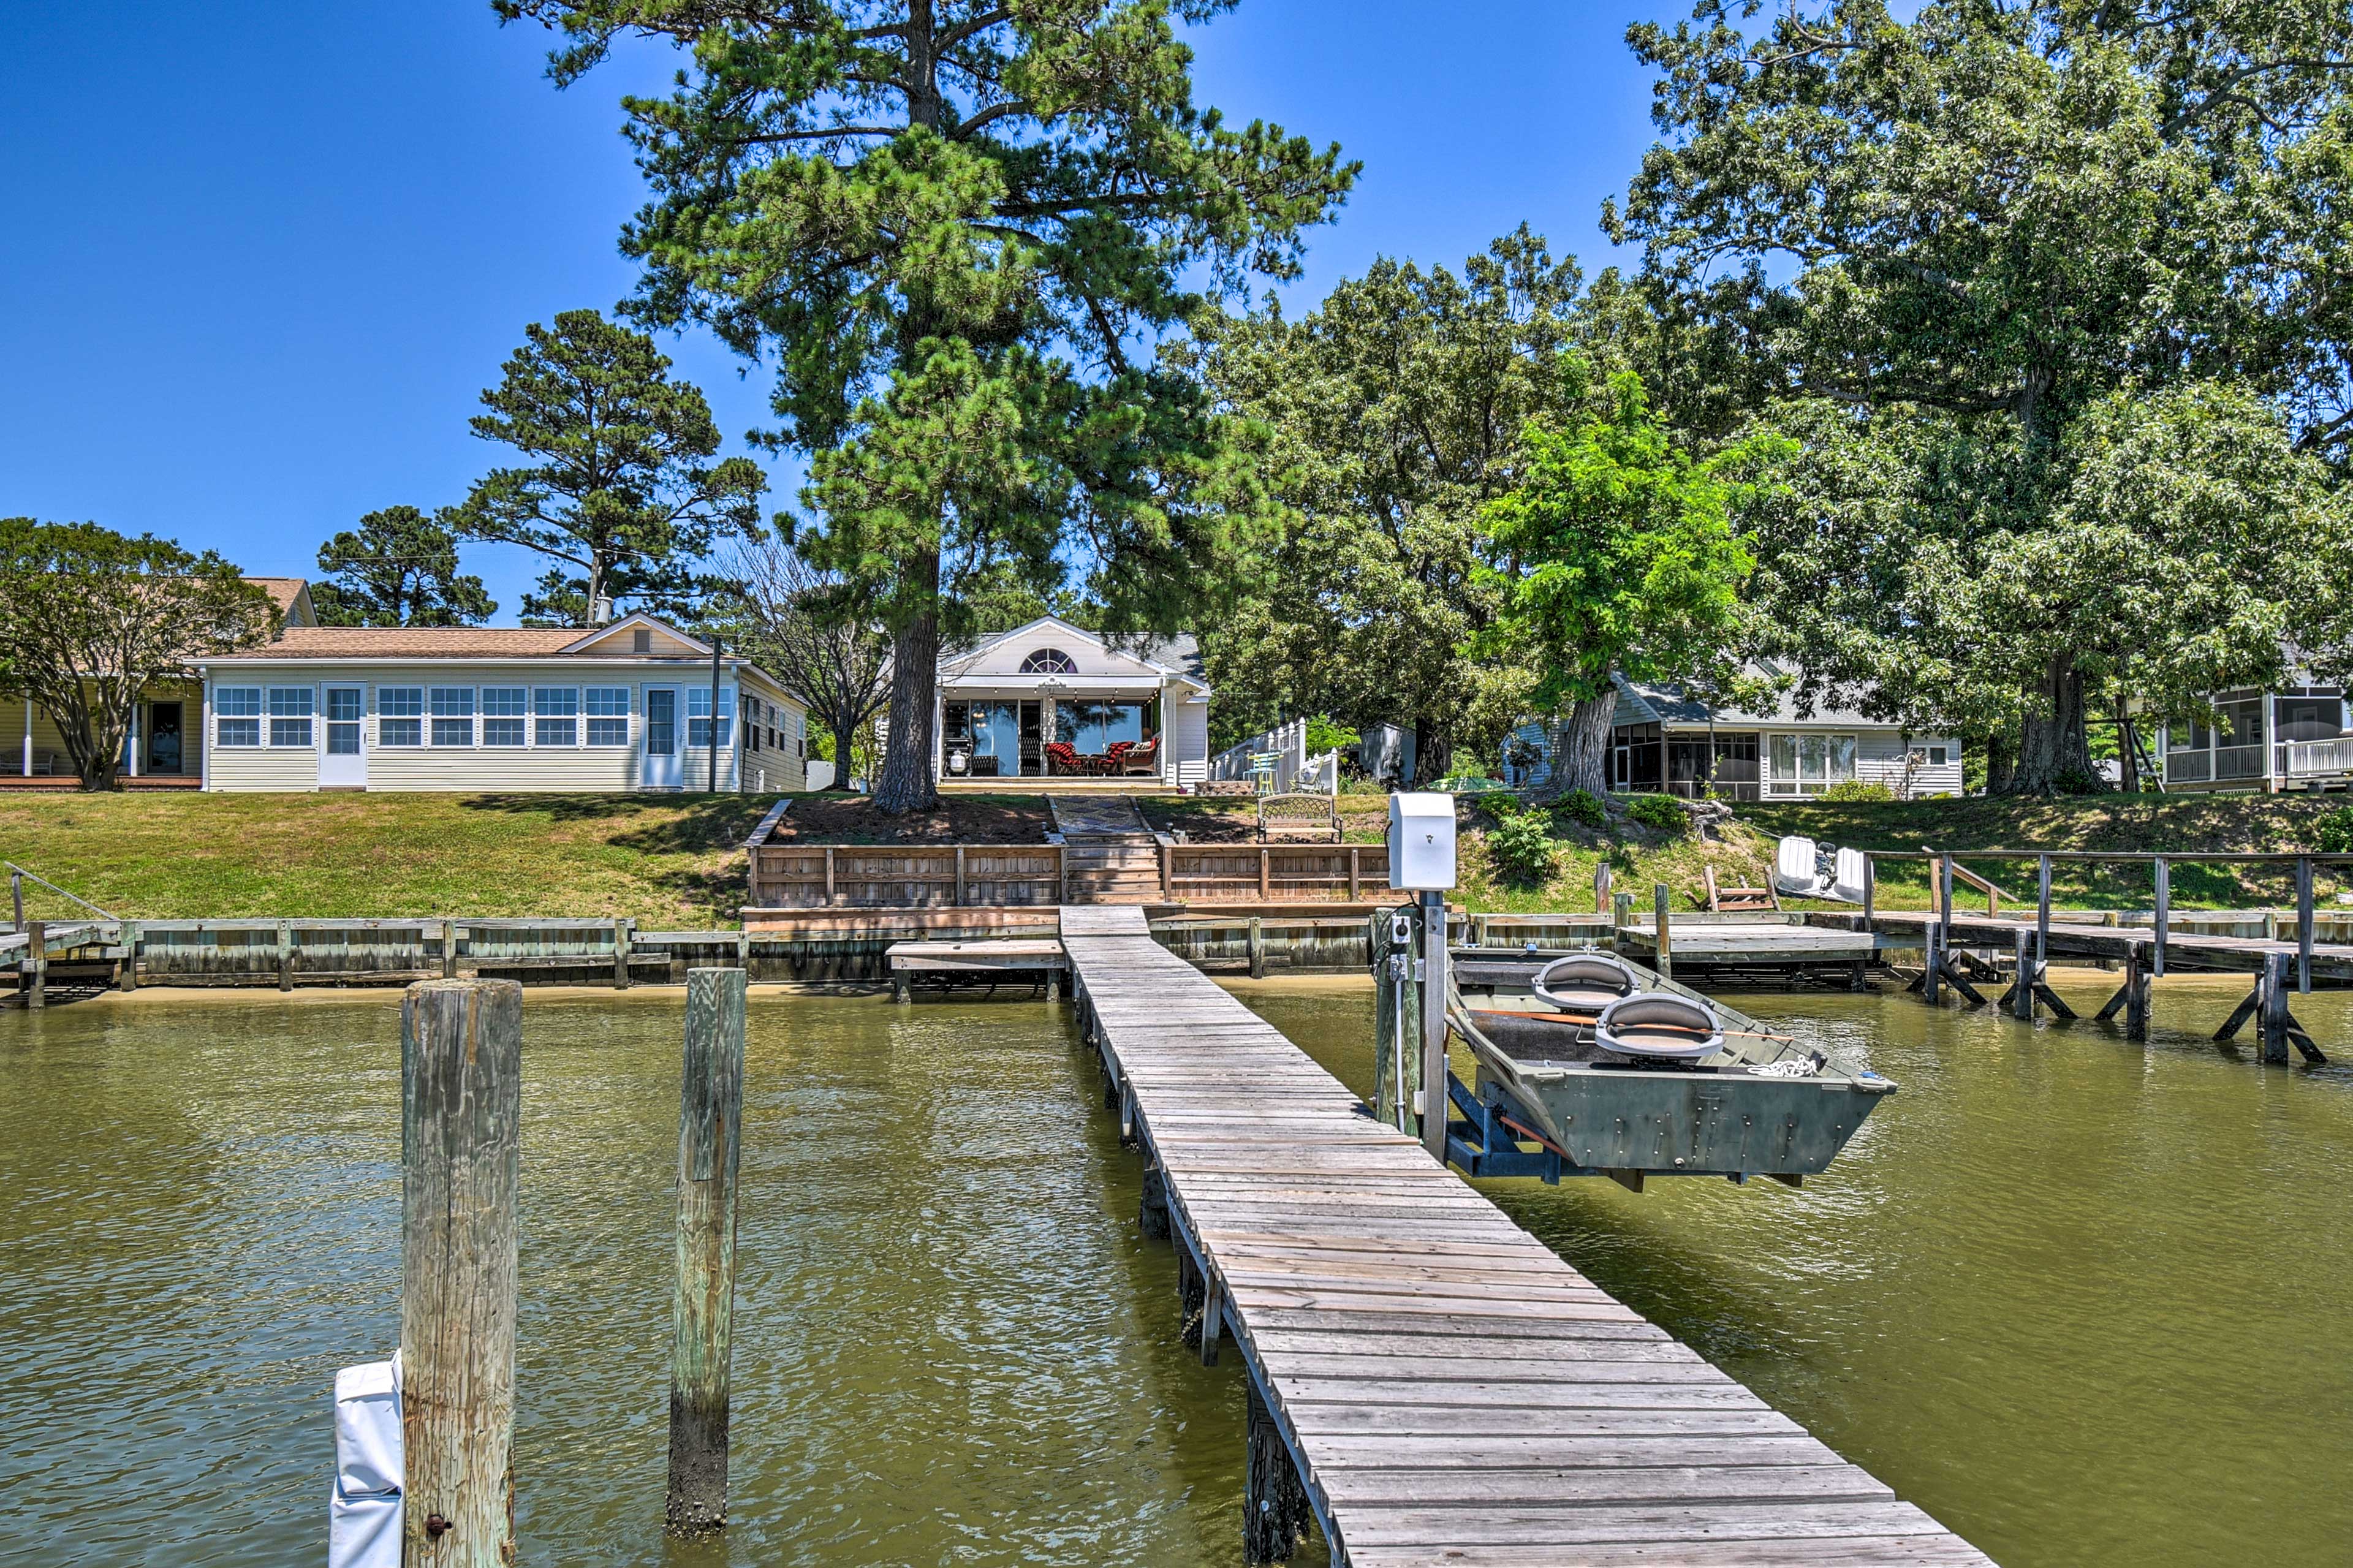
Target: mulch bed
pixel 966 819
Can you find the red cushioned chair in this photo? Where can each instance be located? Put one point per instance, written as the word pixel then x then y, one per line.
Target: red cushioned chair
pixel 1061 758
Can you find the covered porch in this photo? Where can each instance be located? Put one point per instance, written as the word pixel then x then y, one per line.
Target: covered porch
pixel 1074 727
pixel 164 750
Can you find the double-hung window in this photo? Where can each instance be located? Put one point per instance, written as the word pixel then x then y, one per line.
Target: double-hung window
pixel 291 709
pixel 555 715
pixel 608 715
pixel 453 715
pixel 503 708
pixel 1808 764
pixel 400 715
pixel 698 715
pixel 236 716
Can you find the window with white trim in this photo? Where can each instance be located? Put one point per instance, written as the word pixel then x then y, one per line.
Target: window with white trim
pixel 236 716
pixel 503 708
pixel 400 715
pixel 453 715
pixel 698 715
pixel 555 715
pixel 291 708
pixel 1808 764
pixel 608 715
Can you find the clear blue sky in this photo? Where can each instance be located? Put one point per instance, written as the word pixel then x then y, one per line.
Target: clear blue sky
pixel 262 259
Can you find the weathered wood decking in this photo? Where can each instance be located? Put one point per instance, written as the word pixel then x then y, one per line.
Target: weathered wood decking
pixel 1447 1390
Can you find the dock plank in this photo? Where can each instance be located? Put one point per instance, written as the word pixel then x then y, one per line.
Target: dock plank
pixel 1449 1388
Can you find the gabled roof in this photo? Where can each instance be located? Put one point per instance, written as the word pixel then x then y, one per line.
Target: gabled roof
pixel 1178 655
pixel 1646 702
pixel 582 641
pixel 292 597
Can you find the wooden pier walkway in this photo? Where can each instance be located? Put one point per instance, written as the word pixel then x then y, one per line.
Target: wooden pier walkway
pixel 1430 1384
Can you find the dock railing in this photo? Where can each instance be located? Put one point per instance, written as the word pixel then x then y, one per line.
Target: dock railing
pixel 1945 870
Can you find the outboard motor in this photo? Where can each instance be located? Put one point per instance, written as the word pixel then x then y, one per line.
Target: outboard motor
pixel 1661 1026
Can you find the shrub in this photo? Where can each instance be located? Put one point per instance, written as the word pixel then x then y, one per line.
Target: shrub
pixel 1328 735
pixel 1858 789
pixel 2333 834
pixel 1520 847
pixel 1583 808
pixel 1659 813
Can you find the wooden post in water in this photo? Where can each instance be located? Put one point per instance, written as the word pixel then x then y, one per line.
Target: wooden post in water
pixel 2164 912
pixel 2042 914
pixel 37 964
pixel 1601 887
pixel 1666 934
pixel 1434 1107
pixel 2303 923
pixel 2271 1019
pixel 709 1139
pixel 622 932
pixel 128 976
pixel 461 1103
pixel 286 955
pixel 1256 948
pixel 1870 889
pixel 2022 992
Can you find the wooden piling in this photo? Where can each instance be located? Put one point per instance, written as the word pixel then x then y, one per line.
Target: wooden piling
pixel 710 1142
pixel 1256 948
pixel 1870 890
pixel 461 1103
pixel 36 963
pixel 623 930
pixel 2164 874
pixel 1660 902
pixel 126 977
pixel 286 955
pixel 2137 976
pixel 2021 993
pixel 2273 1019
pixel 2304 923
pixel 448 950
pixel 1601 887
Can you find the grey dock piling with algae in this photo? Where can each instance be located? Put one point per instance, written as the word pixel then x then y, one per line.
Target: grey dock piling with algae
pixel 461 1106
pixel 710 1142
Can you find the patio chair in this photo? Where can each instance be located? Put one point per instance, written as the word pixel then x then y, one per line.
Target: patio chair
pixel 1262 767
pixel 1115 755
pixel 1061 757
pixel 1142 759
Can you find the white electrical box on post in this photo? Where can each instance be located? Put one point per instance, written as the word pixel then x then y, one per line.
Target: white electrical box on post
pixel 1421 860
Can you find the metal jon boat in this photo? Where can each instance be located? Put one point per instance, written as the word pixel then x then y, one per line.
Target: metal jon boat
pixel 1612 1070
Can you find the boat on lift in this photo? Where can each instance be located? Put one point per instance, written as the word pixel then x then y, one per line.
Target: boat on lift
pixel 1614 1069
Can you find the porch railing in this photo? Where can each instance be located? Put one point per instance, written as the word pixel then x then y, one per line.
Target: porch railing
pixel 2308 759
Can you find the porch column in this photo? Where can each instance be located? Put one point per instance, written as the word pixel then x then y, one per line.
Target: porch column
pixel 939 732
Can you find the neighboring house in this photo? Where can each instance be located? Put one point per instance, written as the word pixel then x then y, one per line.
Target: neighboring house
pixel 2300 738
pixel 1005 699
pixel 1664 739
pixel 166 743
pixel 625 706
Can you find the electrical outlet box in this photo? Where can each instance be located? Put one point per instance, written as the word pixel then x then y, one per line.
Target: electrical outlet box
pixel 1421 841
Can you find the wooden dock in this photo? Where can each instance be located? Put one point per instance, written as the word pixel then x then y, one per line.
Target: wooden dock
pixel 1428 1382
pixel 1755 947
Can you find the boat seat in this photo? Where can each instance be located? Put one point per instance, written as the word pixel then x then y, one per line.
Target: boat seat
pixel 1584 983
pixel 1661 1026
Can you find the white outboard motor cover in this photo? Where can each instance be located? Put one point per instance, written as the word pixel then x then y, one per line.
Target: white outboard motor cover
pixel 1793 866
pixel 363 1513
pixel 1847 883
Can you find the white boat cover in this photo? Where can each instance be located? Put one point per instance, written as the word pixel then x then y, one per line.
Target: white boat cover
pixel 364 1514
pixel 1793 866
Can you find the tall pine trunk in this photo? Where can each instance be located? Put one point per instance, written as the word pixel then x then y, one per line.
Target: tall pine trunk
pixel 1580 758
pixel 2054 750
pixel 1433 752
pixel 906 783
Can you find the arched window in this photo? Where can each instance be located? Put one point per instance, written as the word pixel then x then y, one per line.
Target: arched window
pixel 1049 661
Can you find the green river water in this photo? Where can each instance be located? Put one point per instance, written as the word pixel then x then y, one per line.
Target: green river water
pixel 2079 1299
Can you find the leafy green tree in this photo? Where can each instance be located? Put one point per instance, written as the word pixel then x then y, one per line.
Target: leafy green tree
pixel 622 494
pixel 398 568
pixel 1958 236
pixel 1394 414
pixel 1627 559
pixel 958 227
pixel 91 617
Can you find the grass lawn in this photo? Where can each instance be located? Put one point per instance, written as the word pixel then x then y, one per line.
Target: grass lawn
pixel 669 861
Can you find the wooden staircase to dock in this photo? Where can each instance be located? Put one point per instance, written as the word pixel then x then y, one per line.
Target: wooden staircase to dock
pixel 1109 856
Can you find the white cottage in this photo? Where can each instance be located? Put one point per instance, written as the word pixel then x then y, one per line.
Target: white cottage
pixel 627 706
pixel 1051 699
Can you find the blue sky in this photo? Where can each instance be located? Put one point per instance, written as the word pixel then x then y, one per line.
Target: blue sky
pixel 262 259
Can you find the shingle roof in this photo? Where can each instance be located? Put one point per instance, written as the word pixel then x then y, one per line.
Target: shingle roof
pixel 282 591
pixel 415 642
pixel 1641 702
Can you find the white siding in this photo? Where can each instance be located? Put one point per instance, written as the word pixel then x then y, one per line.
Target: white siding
pixel 529 768
pixel 1005 655
pixel 1189 731
pixel 1878 757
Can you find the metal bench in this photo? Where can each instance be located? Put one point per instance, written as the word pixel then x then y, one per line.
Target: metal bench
pixel 1315 818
